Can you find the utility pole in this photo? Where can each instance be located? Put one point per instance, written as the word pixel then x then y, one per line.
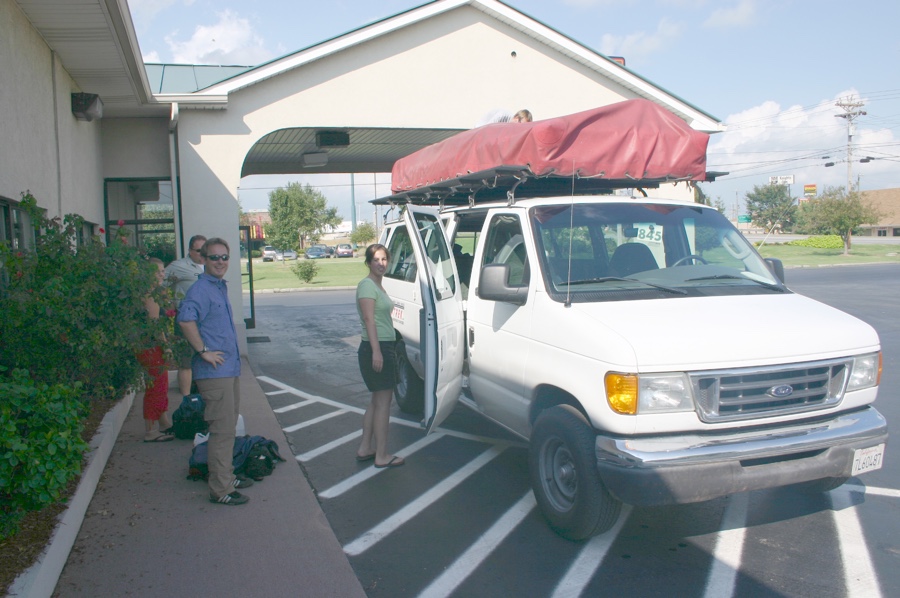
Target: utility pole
pixel 851 113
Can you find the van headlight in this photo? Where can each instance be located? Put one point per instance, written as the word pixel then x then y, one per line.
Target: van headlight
pixel 865 372
pixel 631 394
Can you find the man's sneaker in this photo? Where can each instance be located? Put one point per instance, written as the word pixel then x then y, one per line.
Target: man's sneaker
pixel 242 482
pixel 234 498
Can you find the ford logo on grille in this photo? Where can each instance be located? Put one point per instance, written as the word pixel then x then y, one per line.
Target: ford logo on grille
pixel 780 391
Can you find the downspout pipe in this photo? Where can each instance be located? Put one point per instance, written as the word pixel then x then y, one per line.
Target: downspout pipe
pixel 173 174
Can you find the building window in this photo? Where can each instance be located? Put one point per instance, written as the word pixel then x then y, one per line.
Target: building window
pixel 15 226
pixel 145 210
pixel 896 232
pixel 882 232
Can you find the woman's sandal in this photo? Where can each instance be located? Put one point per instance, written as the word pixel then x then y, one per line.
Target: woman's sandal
pixel 161 437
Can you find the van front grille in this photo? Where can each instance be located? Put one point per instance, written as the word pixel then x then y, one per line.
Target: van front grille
pixel 728 395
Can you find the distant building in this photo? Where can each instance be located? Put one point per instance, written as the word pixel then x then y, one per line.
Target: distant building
pixel 887 202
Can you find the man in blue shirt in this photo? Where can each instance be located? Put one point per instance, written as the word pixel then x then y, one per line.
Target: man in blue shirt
pixel 206 319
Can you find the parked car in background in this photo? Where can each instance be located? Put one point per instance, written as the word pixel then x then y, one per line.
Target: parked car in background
pixel 269 253
pixel 316 252
pixel 324 249
pixel 344 250
pixel 329 250
pixel 285 254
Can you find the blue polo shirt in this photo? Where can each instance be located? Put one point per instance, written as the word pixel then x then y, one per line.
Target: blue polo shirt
pixel 206 303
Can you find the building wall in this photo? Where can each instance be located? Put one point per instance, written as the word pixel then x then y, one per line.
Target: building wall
pixel 136 148
pixel 45 149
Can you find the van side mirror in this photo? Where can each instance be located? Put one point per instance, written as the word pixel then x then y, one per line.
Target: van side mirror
pixel 493 285
pixel 776 267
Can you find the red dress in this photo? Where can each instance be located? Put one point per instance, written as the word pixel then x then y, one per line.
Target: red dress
pixel 156 395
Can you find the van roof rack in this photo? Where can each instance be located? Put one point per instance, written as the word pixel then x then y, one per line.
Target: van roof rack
pixel 513 182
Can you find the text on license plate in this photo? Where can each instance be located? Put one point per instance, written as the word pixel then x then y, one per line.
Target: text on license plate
pixel 867 459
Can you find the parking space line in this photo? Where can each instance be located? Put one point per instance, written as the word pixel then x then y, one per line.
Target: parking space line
pixel 383 529
pixel 873 491
pixel 860 579
pixel 287 408
pixel 314 420
pixel 365 474
pixel 316 452
pixel 462 567
pixel 589 559
pixel 729 548
pixel 276 392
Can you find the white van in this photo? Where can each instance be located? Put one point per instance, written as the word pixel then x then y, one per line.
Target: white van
pixel 643 347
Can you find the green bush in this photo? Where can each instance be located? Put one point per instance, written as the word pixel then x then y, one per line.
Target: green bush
pixel 74 312
pixel 40 445
pixel 256 253
pixel 306 270
pixel 820 242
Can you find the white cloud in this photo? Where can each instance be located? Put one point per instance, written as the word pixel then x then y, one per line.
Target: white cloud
pixel 767 140
pixel 152 57
pixel 740 15
pixel 635 46
pixel 231 40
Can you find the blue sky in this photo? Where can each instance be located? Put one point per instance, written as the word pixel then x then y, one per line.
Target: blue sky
pixel 772 70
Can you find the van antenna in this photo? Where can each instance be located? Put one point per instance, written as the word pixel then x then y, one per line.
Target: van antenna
pixel 568 302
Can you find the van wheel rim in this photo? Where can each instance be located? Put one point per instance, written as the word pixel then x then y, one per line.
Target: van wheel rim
pixel 559 475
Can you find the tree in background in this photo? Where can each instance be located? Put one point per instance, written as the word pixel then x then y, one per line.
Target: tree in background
pixel 701 197
pixel 836 212
pixel 771 206
pixel 298 213
pixel 364 234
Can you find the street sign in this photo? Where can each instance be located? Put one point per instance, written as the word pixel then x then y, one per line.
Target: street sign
pixel 785 179
pixel 809 190
pixel 744 218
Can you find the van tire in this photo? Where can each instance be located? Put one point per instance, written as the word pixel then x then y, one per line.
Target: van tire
pixel 564 477
pixel 409 389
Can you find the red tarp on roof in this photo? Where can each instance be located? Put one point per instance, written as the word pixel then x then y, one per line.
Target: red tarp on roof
pixel 634 139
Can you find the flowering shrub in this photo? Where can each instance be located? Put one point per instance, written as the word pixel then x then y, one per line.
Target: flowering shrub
pixel 74 313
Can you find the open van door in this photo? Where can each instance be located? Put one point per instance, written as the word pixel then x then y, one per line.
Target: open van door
pixel 441 319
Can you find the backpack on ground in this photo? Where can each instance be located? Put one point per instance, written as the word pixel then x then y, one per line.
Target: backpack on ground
pixel 253 456
pixel 188 420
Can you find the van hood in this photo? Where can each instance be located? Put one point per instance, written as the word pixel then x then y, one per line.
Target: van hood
pixel 711 332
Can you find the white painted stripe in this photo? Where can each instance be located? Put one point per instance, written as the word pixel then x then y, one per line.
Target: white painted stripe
pixel 314 421
pixel 276 392
pixel 287 408
pixel 589 559
pixel 383 529
pixel 860 579
pixel 729 548
pixel 369 472
pixel 889 492
pixel 468 561
pixel 316 452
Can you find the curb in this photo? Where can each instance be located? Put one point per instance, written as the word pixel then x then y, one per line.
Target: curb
pixel 39 580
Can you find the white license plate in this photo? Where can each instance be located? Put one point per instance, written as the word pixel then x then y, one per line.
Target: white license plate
pixel 867 459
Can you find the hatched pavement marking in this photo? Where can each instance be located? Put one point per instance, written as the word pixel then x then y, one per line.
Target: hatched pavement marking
pixel 383 529
pixel 729 548
pixel 589 559
pixel 860 578
pixel 446 583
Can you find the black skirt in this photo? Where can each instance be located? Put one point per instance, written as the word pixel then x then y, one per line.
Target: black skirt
pixel 387 377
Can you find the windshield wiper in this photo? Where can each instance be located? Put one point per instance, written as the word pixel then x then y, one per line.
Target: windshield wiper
pixel 618 279
pixel 768 285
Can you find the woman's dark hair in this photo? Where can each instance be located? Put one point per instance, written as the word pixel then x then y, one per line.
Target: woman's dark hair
pixel 374 247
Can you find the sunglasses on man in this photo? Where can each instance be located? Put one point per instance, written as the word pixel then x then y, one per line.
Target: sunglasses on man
pixel 216 257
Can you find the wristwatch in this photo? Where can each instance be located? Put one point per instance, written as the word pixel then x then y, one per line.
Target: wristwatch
pixel 203 350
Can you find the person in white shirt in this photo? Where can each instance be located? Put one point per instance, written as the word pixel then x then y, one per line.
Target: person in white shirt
pixel 180 275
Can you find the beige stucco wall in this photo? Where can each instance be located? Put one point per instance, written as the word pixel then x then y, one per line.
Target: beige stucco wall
pixel 135 148
pixel 45 149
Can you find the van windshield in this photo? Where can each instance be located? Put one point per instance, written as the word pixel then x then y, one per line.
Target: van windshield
pixel 594 252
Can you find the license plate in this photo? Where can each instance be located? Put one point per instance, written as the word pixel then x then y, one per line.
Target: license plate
pixel 867 459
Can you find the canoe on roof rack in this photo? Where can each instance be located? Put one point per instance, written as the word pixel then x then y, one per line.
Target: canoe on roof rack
pixel 630 144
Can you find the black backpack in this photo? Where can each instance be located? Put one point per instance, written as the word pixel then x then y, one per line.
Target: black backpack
pixel 188 420
pixel 253 456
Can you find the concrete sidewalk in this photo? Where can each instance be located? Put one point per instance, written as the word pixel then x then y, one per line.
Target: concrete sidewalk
pixel 150 532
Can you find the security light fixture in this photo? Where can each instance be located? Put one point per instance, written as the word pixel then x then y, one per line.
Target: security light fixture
pixel 313 159
pixel 332 139
pixel 87 106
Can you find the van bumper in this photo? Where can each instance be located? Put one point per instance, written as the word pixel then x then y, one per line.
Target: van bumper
pixel 663 470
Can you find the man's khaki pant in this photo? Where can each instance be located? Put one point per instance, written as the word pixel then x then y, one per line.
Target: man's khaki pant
pixel 222 403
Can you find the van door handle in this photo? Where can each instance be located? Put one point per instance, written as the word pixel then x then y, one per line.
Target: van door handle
pixel 471 337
